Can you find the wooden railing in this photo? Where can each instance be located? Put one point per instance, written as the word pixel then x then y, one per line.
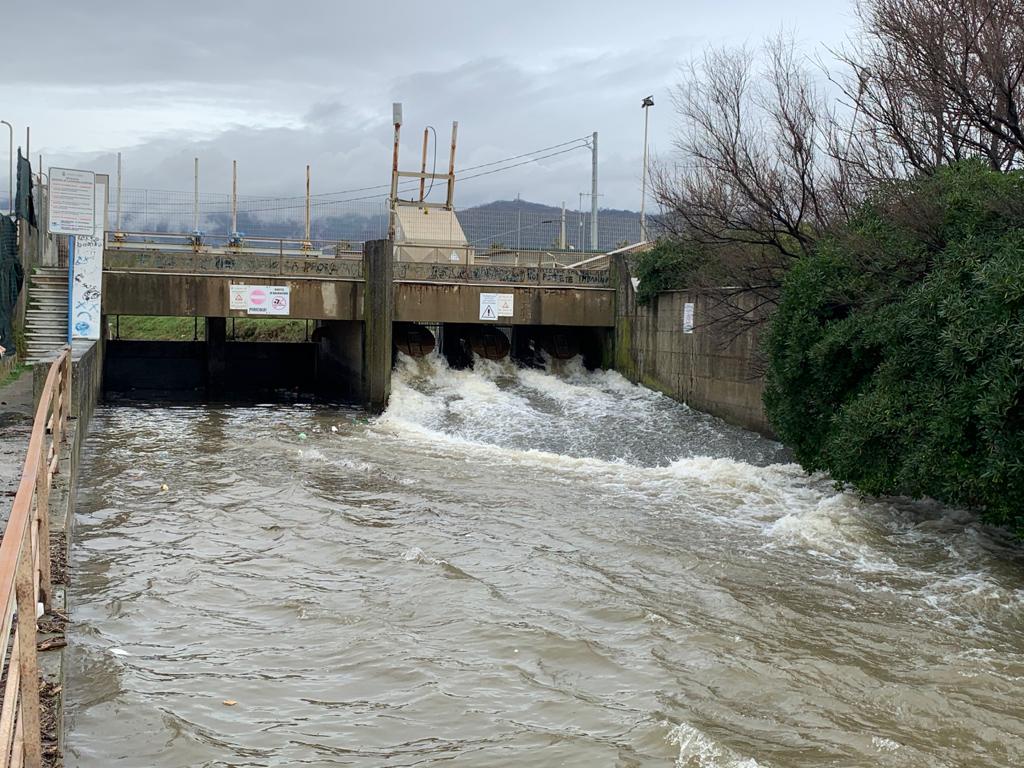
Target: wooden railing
pixel 25 572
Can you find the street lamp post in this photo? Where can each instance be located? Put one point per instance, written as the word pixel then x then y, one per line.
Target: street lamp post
pixel 10 166
pixel 646 105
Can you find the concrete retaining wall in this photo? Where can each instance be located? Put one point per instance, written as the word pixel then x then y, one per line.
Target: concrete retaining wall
pixel 714 369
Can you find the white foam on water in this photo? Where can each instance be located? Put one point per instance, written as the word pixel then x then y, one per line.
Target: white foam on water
pixel 697 750
pixel 544 421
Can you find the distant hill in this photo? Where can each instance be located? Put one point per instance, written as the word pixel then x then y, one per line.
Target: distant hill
pixel 521 223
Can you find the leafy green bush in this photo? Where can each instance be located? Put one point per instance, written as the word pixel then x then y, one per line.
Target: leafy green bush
pixel 896 359
pixel 667 266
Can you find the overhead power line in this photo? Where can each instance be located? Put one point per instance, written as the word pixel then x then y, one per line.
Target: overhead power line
pixel 253 204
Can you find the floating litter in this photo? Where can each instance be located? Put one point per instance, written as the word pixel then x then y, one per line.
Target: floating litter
pixel 333 428
pixel 164 487
pixel 119 652
pixel 229 702
pixel 302 435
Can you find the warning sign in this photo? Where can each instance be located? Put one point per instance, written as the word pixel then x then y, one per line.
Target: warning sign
pixel 488 306
pixel 279 300
pixel 260 299
pixel 506 302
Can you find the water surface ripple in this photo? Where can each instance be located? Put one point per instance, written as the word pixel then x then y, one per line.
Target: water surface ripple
pixel 521 568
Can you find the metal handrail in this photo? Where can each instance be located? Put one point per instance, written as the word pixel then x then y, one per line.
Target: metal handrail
pixel 25 571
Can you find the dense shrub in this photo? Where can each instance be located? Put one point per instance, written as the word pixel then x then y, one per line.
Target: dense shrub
pixel 667 266
pixel 896 359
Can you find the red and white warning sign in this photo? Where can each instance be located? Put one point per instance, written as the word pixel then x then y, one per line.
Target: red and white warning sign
pixel 260 299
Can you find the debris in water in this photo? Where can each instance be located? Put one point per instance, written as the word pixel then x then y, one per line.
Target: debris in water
pixel 119 652
pixel 51 643
pixel 229 702
pixel 164 487
pixel 302 435
pixel 333 428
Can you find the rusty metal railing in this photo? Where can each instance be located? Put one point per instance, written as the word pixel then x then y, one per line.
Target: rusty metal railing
pixel 25 572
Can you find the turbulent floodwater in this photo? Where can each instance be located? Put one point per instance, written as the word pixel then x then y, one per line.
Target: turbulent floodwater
pixel 520 568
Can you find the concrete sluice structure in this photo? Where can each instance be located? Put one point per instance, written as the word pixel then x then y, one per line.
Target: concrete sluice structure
pixel 363 313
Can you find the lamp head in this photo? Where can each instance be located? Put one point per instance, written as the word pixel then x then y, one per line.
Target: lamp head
pixel 647 102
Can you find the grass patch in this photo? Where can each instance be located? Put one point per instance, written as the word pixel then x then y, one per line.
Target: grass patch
pixel 141 327
pixel 13 374
pixel 148 328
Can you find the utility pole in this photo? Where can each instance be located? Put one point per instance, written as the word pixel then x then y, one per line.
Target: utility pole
pixel 593 195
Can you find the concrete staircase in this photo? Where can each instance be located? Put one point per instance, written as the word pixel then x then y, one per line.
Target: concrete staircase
pixel 46 321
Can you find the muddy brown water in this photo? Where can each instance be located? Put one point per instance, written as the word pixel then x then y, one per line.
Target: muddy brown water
pixel 521 568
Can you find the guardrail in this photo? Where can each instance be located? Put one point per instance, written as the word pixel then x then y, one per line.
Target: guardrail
pixel 25 572
pixel 436 262
pixel 202 243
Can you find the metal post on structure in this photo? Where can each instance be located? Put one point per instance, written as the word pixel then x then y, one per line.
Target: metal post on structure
pixel 519 229
pixel 581 244
pixel 195 200
pixel 10 166
pixel 234 200
pixel 41 213
pixel 593 194
pixel 647 103
pixel 561 230
pixel 305 243
pixel 396 111
pixel 451 167
pixel 118 225
pixel 423 166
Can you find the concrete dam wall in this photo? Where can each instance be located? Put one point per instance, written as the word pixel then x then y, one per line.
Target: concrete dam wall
pixel 678 345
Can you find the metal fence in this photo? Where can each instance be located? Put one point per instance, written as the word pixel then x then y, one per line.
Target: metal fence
pixel 508 225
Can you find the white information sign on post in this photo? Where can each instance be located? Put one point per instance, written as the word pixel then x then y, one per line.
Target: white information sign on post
pixel 73 209
pixel 87 275
pixel 488 306
pixel 688 317
pixel 238 296
pixel 506 304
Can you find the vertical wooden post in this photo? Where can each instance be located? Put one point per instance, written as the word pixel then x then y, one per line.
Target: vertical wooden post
pixel 43 521
pixel 27 661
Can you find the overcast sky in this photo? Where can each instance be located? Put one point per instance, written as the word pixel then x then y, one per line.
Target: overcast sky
pixel 276 85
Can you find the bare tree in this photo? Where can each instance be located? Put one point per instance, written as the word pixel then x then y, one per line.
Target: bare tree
pixel 936 81
pixel 757 176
